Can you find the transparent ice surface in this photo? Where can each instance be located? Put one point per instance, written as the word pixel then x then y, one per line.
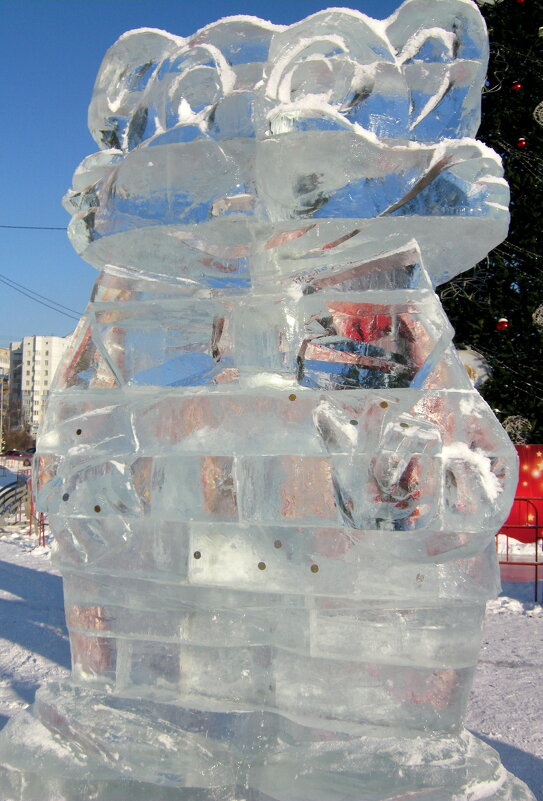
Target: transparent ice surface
pixel 273 489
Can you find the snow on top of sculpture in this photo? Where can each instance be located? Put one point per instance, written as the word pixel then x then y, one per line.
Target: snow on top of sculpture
pixel 340 122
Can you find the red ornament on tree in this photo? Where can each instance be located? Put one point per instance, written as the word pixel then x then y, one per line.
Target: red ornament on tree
pixel 516 86
pixel 502 324
pixel 521 142
pixel 520 1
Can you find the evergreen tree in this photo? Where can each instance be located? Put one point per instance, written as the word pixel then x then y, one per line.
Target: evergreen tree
pixel 509 283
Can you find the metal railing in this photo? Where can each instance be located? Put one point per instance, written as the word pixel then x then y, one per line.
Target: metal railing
pixel 523 526
pixel 13 496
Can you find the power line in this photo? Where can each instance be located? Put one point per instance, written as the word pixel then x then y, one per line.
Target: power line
pixel 36 227
pixel 41 302
pixel 32 292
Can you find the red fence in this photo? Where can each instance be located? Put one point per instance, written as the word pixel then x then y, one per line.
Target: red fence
pixel 525 522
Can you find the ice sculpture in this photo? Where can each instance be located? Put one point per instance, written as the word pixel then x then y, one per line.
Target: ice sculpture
pixel 273 488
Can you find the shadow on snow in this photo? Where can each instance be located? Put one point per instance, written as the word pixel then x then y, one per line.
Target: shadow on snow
pixel 34 617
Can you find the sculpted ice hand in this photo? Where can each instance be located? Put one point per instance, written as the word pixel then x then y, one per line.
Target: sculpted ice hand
pixel 273 488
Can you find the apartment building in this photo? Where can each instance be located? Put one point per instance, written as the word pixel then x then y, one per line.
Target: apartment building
pixel 33 362
pixel 4 361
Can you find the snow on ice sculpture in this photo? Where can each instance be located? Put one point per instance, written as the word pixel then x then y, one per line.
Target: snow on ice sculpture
pixel 273 489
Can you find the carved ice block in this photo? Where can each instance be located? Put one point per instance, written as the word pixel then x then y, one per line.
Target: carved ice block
pixel 273 488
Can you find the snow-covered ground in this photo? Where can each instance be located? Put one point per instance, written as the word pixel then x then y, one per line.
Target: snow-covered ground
pixel 34 644
pixel 506 707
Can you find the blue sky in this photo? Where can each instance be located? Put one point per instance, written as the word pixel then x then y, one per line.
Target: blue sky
pixel 51 53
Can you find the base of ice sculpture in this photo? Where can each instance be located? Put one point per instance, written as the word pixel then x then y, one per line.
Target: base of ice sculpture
pixel 77 744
